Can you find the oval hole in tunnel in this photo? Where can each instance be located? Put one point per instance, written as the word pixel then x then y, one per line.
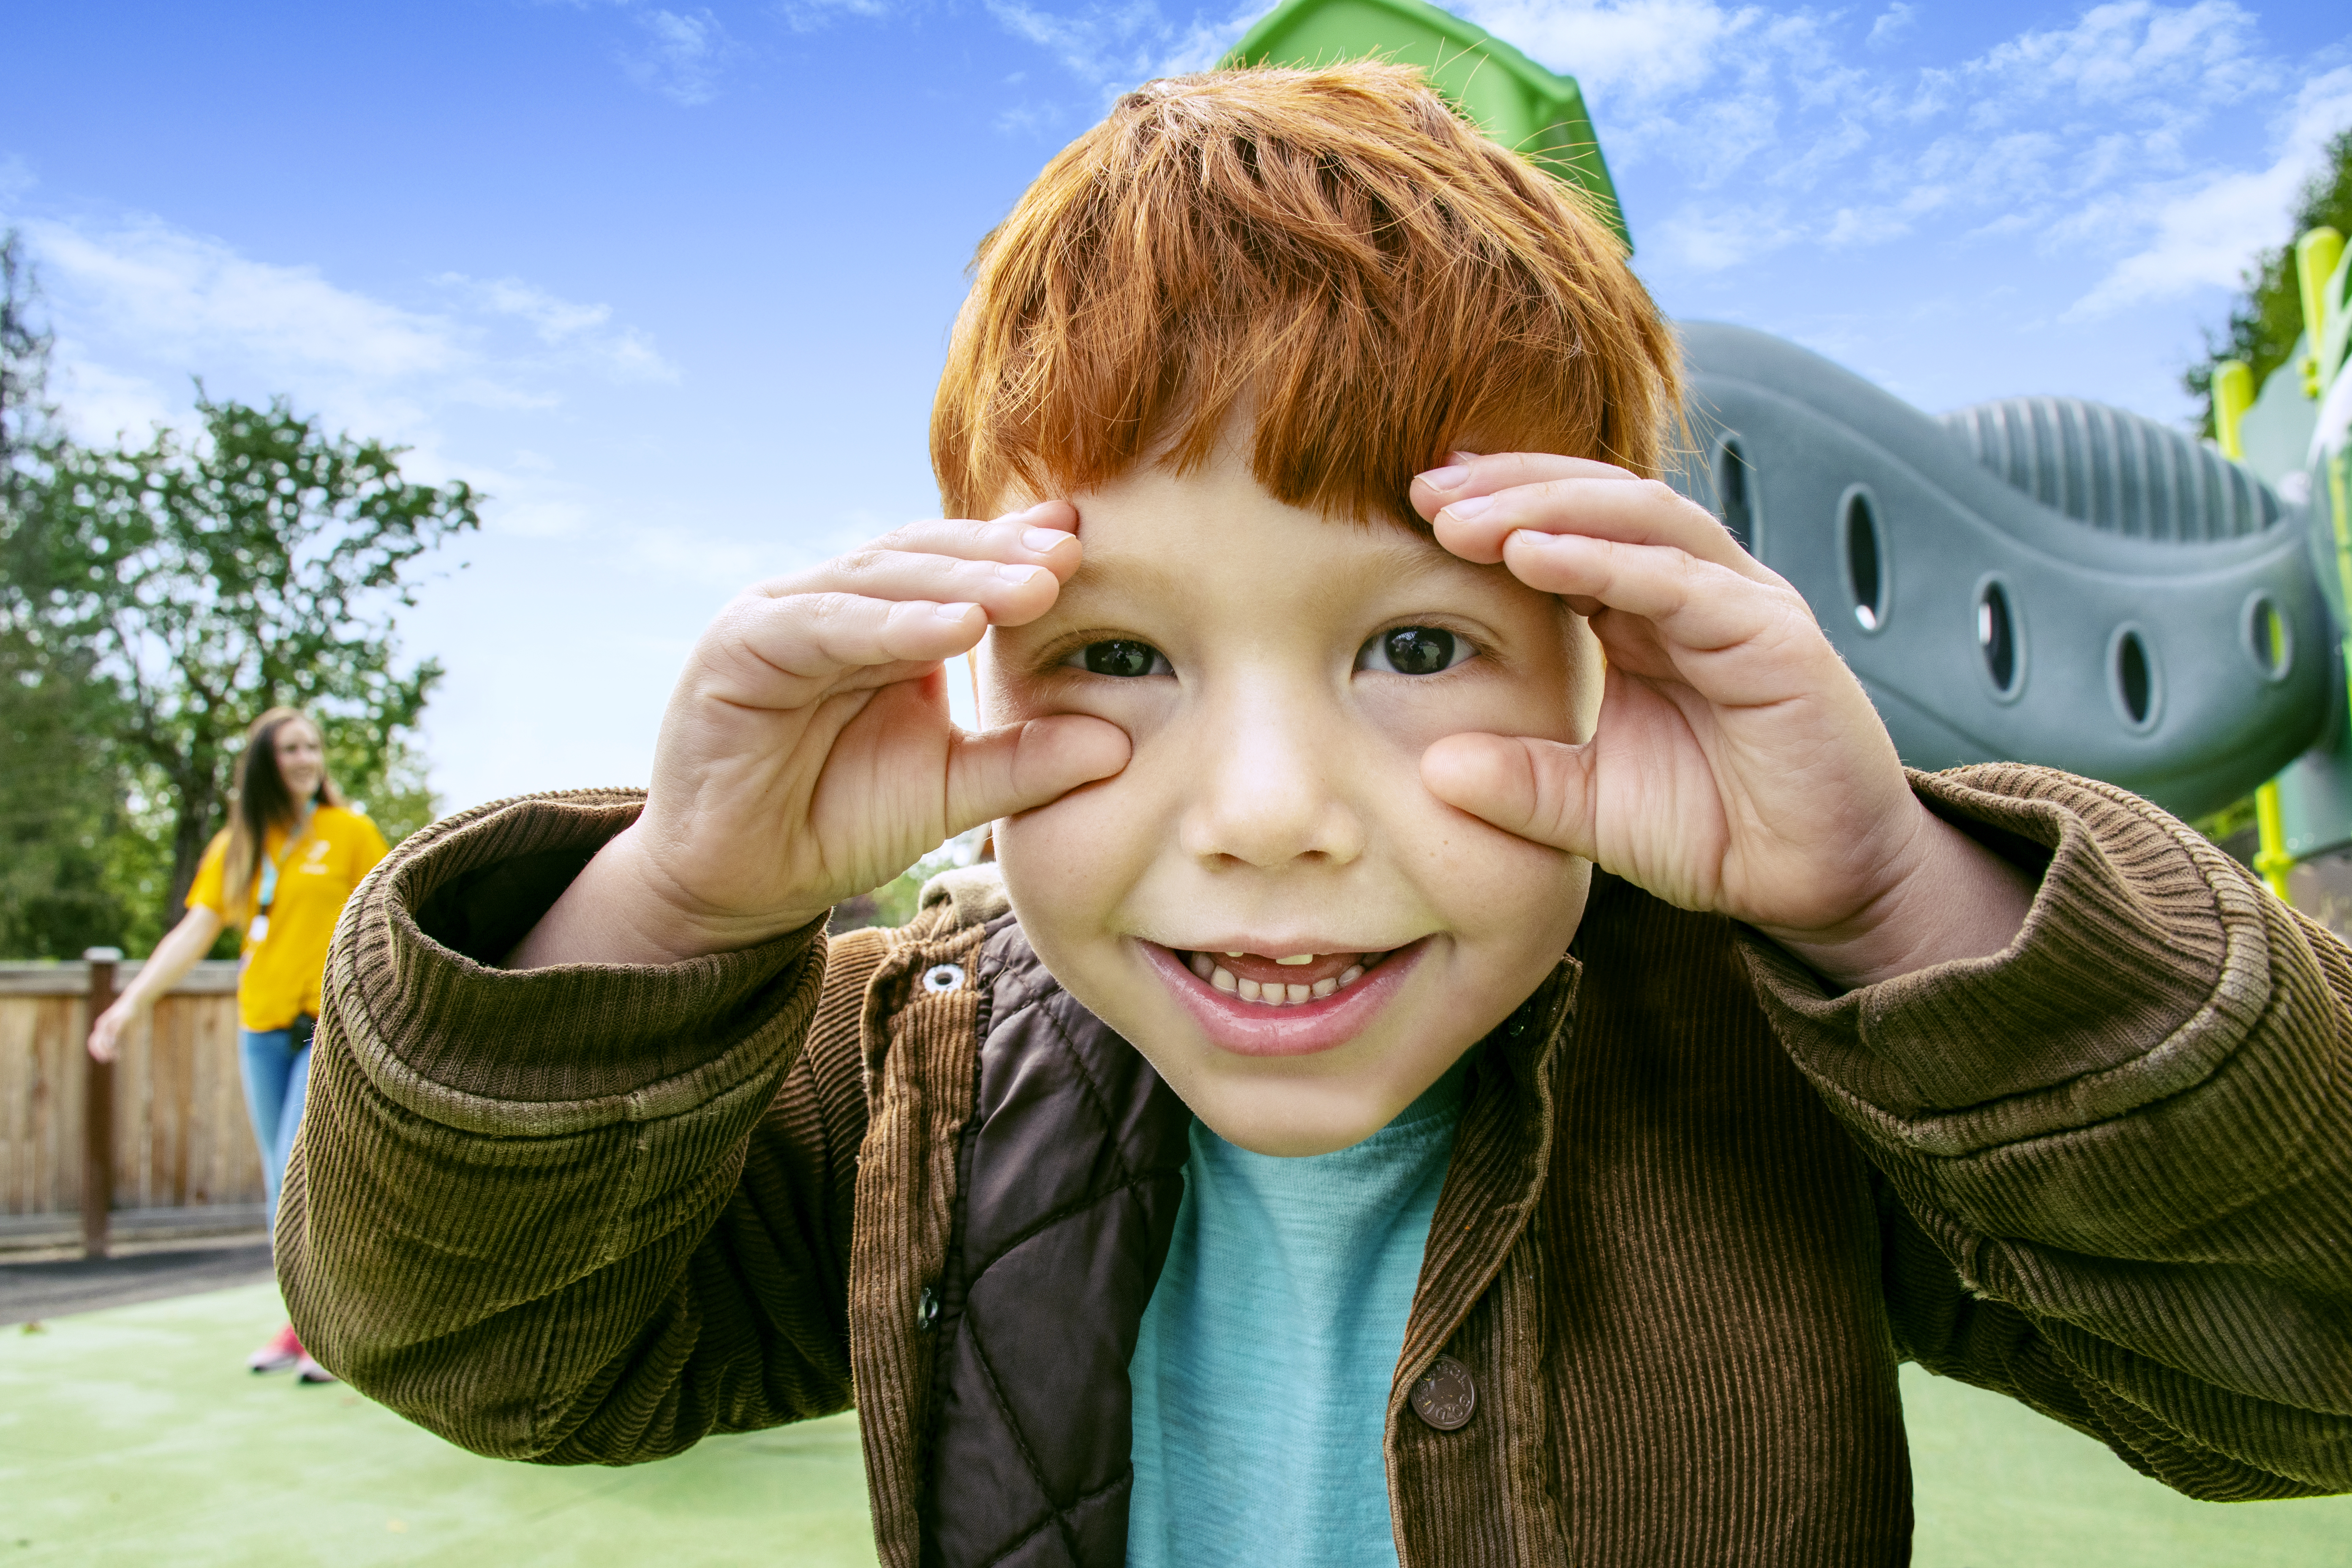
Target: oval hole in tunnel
pixel 1997 637
pixel 2133 670
pixel 1735 487
pixel 2269 640
pixel 1866 562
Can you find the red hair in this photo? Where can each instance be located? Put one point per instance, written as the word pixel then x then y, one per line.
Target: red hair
pixel 1335 254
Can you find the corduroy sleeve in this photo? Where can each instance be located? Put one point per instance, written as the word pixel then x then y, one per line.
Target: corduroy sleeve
pixel 574 1214
pixel 2116 1157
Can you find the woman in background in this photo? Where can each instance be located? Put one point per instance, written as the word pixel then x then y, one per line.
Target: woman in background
pixel 281 869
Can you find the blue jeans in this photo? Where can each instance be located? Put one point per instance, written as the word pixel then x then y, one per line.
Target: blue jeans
pixel 277 1067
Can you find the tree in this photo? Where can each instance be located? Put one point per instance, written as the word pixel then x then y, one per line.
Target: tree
pixel 27 417
pixel 2267 318
pixel 261 564
pixel 62 793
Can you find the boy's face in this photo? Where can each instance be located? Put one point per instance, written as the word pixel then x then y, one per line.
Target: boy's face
pixel 1280 675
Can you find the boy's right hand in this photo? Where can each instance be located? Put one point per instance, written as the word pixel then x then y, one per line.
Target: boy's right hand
pixel 807 754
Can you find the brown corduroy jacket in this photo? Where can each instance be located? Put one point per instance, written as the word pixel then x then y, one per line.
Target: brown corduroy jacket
pixel 1698 1208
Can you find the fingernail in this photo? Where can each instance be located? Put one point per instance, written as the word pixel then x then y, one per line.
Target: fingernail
pixel 1022 574
pixel 1042 540
pixel 1445 478
pixel 953 611
pixel 1471 510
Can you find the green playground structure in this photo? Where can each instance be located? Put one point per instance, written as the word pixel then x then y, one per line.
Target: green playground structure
pixel 1513 99
pixel 2038 579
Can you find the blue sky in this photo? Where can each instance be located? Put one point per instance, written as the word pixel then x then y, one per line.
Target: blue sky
pixel 674 284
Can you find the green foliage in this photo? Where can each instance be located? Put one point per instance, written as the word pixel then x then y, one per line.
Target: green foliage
pixel 2226 824
pixel 895 901
pixel 261 564
pixel 59 789
pixel 2268 317
pixel 60 810
pixel 155 598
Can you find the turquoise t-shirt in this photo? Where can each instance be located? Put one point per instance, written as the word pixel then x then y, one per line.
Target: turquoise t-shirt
pixel 1262 1368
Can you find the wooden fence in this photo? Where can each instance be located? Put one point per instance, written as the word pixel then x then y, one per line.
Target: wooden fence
pixel 182 1154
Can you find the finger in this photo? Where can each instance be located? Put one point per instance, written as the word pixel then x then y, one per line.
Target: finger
pixel 1023 766
pixel 1474 505
pixel 1536 789
pixel 815 636
pixel 1013 595
pixel 1478 474
pixel 1697 606
pixel 1041 535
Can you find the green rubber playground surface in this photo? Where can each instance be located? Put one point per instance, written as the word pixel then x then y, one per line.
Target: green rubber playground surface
pixel 133 1435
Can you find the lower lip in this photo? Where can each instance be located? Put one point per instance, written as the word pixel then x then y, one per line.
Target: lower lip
pixel 1254 1029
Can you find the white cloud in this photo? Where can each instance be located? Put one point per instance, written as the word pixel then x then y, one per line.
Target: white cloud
pixel 682 56
pixel 1639 49
pixel 2205 235
pixel 140 308
pixel 1712 238
pixel 181 294
pixel 2142 58
pixel 1101 43
pixel 1795 126
pixel 580 330
pixel 100 403
pixel 1116 45
pixel 2092 137
pixel 808 16
pixel 1028 120
pixel 1893 24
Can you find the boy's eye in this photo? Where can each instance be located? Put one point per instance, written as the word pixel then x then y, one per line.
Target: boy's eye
pixel 1413 650
pixel 1120 657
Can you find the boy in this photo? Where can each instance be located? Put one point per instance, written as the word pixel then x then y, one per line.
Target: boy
pixel 1245 1175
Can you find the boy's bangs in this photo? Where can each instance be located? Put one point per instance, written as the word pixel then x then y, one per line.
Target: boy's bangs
pixel 1334 256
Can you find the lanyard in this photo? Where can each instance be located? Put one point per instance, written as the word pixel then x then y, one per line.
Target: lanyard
pixel 268 891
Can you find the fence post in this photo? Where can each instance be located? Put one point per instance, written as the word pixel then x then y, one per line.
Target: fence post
pixel 97 1111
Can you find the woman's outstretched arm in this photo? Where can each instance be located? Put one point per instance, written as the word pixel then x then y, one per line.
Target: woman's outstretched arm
pixel 169 965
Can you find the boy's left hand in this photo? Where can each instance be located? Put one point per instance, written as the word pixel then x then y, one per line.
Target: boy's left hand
pixel 1737 766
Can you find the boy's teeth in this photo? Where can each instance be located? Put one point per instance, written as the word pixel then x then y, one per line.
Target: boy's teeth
pixel 1297 959
pixel 1272 994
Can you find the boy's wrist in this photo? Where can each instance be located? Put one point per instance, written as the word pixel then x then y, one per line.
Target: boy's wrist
pixel 1951 900
pixel 624 908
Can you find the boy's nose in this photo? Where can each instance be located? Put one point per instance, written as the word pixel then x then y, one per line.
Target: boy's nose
pixel 1262 793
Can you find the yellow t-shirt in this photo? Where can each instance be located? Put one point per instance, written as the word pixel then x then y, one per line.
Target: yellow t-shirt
pixel 283 969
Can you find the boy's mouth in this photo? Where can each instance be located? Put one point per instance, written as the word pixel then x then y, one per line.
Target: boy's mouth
pixel 1282 1005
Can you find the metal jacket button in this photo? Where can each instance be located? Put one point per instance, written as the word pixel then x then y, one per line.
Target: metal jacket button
pixel 926 1309
pixel 1445 1397
pixel 941 977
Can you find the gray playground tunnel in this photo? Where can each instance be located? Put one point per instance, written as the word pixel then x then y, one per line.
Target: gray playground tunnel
pixel 2042 579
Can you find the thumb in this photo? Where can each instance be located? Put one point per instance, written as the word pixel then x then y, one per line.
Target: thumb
pixel 1022 766
pixel 1539 790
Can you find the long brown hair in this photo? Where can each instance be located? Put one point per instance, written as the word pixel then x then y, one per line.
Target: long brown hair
pixel 260 800
pixel 1335 254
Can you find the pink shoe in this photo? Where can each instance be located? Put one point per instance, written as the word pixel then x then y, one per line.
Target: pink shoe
pixel 309 1371
pixel 281 1351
